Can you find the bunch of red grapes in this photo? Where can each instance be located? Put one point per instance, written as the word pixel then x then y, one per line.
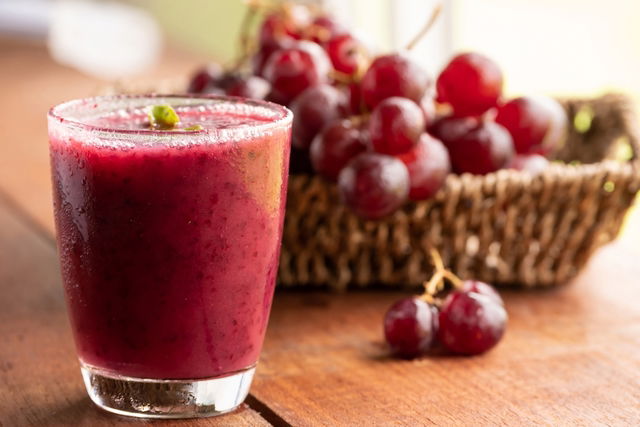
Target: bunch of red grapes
pixel 379 126
pixel 470 321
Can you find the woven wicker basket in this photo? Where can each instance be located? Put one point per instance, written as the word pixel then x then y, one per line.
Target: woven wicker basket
pixel 504 228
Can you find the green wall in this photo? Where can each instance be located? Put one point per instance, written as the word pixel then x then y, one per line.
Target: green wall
pixel 209 27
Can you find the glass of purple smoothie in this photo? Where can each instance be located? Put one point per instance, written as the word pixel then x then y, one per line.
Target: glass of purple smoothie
pixel 169 243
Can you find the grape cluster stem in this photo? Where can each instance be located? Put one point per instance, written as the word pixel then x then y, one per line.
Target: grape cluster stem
pixel 427 27
pixel 436 283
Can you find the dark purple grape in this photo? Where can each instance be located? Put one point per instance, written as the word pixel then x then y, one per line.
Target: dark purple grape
pixel 537 124
pixel 428 165
pixel 226 80
pixel 355 98
pixel 313 109
pixel 410 327
pixel 292 70
pixel 450 128
pixel 471 83
pixel 260 58
pixel 374 185
pixel 481 288
pixel 346 53
pixel 483 149
pixel 253 87
pixel 531 163
pixel 395 125
pixel 471 323
pixel 332 149
pixel 394 75
pixel 204 79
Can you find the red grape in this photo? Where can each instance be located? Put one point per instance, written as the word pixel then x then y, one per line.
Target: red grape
pixel 278 98
pixel 313 109
pixel 428 165
pixel 273 30
pixel 395 125
pixel 471 83
pixel 536 124
pixel 249 87
pixel 283 25
pixel 558 126
pixel 532 163
pixel 227 80
pixel 483 149
pixel 205 79
pixel 410 327
pixel 263 54
pixel 450 128
pixel 355 98
pixel 394 75
pixel 482 288
pixel 470 322
pixel 346 53
pixel 374 185
pixel 292 70
pixel 275 34
pixel 332 149
pixel 324 28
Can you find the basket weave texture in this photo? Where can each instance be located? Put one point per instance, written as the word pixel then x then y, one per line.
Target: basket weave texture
pixel 507 228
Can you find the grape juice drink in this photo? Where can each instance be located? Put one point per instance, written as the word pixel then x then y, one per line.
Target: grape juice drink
pixel 169 244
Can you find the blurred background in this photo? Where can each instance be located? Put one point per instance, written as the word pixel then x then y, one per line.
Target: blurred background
pixel 560 47
pixel 54 50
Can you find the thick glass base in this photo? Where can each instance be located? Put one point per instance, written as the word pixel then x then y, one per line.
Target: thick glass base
pixel 147 398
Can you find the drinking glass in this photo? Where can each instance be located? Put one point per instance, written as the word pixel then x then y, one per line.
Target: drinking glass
pixel 169 243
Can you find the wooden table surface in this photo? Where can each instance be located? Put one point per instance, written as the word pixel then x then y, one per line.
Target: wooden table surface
pixel 571 355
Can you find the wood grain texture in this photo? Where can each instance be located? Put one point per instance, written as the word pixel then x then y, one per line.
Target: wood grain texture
pixel 40 382
pixel 570 357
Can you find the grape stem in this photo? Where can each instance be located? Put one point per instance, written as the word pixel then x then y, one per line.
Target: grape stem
pixel 424 30
pixel 457 282
pixel 436 283
pixel 359 119
pixel 341 77
pixel 246 49
pixel 437 259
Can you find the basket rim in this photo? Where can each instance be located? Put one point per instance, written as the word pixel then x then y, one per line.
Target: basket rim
pixel 629 123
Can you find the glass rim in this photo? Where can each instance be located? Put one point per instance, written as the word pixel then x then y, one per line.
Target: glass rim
pixel 57 112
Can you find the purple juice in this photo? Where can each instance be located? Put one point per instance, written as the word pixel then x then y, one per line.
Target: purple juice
pixel 169 240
